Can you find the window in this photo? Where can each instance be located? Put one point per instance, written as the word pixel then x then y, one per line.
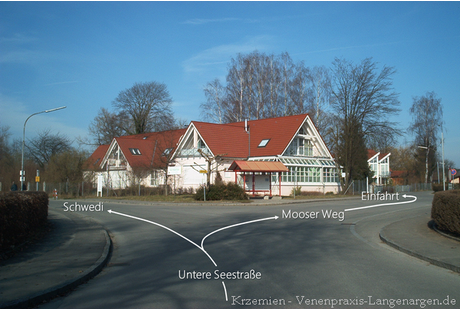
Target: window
pixel 201 144
pixel 263 143
pixel 300 147
pixel 135 151
pixel 154 178
pixel 302 175
pixel 167 151
pixel 330 175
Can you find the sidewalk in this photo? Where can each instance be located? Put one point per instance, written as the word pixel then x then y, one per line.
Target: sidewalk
pixel 73 252
pixel 413 236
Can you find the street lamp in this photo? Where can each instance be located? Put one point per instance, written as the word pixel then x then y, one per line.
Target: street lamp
pixel 24 139
pixel 426 168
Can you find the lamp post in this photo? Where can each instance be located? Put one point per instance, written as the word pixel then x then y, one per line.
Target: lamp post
pixel 24 139
pixel 426 168
pixel 443 168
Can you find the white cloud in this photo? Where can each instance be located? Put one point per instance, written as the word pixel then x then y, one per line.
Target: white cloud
pixel 201 21
pixel 219 56
pixel 18 38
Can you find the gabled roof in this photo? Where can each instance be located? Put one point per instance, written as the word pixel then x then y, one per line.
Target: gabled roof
pixel 94 161
pixel 146 150
pixel 233 140
pixel 380 156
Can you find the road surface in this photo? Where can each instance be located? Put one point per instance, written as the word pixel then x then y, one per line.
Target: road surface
pixel 310 257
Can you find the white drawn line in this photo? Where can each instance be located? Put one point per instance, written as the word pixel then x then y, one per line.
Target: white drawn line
pixel 386 204
pixel 234 225
pixel 225 290
pixel 167 228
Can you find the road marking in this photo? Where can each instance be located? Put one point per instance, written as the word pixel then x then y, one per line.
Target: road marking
pixel 386 204
pixel 185 238
pixel 239 224
pixel 167 228
pixel 225 290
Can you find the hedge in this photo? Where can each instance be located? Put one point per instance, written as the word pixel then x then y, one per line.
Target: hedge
pixel 230 191
pixel 21 215
pixel 445 211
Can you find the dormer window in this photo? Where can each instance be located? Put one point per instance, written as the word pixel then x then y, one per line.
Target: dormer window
pixel 135 151
pixel 167 151
pixel 263 143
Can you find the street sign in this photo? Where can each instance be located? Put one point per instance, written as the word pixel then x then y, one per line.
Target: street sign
pixel 203 171
pixel 454 172
pixel 176 170
pixel 37 179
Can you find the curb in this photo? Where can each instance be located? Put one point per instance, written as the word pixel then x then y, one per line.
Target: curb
pixel 432 261
pixel 67 286
pixel 222 203
pixel 432 225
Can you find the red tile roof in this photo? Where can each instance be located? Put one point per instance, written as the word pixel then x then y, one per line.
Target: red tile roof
pixel 372 153
pixel 94 161
pixel 151 147
pixel 232 139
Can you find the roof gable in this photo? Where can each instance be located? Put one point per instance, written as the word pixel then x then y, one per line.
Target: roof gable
pixel 146 150
pixel 234 141
pixel 94 161
pixel 371 154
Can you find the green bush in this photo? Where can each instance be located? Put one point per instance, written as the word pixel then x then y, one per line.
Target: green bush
pixel 445 211
pixel 21 215
pixel 229 191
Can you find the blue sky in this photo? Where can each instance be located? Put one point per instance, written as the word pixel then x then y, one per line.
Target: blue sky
pixel 82 54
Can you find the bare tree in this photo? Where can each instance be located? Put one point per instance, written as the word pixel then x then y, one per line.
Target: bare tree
pixel 426 124
pixel 363 99
pixel 236 90
pixel 214 108
pixel 287 72
pixel 45 145
pixel 300 91
pixel 106 126
pixel 274 84
pixel 260 86
pixel 148 106
pixel 321 94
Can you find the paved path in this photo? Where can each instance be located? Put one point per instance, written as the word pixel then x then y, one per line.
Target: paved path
pixel 75 250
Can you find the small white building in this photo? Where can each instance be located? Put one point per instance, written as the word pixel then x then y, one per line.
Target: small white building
pixel 379 164
pixel 204 151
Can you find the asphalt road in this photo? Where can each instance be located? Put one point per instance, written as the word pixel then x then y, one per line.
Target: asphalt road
pixel 300 261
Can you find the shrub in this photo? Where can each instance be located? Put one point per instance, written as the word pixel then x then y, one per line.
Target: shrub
pixel 229 191
pixel 437 187
pixel 296 191
pixel 21 215
pixel 445 211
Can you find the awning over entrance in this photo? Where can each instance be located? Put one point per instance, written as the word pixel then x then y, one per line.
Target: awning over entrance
pixel 257 166
pixel 260 183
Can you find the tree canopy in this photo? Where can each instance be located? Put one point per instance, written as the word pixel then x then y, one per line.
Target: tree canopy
pixel 144 107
